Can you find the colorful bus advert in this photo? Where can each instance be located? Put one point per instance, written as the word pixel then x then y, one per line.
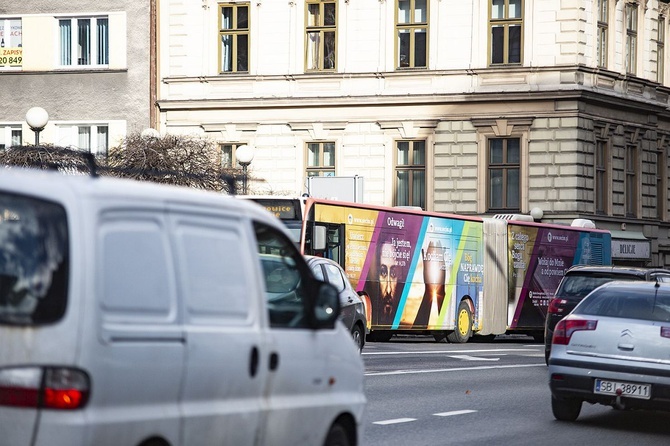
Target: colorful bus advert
pixel 414 268
pixel 539 257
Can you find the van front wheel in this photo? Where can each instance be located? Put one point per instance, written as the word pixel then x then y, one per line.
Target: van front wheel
pixel 337 436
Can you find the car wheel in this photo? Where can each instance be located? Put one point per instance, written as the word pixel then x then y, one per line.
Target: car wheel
pixel 359 336
pixel 337 436
pixel 463 329
pixel 565 409
pixel 546 357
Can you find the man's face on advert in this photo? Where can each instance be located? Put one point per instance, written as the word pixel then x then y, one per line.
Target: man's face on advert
pixel 388 279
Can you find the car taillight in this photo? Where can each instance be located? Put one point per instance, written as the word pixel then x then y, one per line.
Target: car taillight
pixel 49 387
pixel 556 305
pixel 665 332
pixel 566 327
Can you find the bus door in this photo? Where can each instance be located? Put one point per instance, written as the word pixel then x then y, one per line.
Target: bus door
pixel 325 240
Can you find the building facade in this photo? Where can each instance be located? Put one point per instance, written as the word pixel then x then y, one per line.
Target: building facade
pixel 87 63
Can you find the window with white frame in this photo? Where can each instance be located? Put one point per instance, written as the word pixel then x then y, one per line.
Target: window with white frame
pixel 631 37
pixel 11 45
pixel 84 41
pixel 228 154
pixel 10 135
pixel 93 138
pixel 603 30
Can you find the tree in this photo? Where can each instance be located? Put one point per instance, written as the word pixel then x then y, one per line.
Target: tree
pixel 171 159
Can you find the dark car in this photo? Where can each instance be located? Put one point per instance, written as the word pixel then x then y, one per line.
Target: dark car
pixel 352 307
pixel 580 280
pixel 612 349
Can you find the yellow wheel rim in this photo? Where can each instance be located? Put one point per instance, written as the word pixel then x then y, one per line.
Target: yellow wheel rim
pixel 463 321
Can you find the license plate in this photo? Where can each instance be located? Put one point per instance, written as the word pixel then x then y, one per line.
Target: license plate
pixel 631 390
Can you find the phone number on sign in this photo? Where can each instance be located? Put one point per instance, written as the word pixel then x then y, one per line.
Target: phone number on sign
pixel 10 60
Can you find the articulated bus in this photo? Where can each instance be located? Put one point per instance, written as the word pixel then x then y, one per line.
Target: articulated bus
pixel 449 276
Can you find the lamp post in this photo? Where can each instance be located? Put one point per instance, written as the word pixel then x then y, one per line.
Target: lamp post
pixel 37 119
pixel 244 154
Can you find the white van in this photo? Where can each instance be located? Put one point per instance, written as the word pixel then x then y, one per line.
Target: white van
pixel 135 314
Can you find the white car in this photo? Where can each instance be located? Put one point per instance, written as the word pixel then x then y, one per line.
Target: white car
pixel 613 349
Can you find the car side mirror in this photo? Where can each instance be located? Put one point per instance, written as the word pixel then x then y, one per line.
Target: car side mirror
pixel 326 307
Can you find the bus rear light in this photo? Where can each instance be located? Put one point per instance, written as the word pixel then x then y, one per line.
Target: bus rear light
pixel 58 388
pixel 566 327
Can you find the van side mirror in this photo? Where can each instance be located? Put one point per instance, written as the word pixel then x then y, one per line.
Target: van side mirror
pixel 326 308
pixel 319 238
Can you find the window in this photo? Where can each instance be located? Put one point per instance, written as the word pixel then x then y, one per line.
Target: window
pixel 505 31
pixel 661 184
pixel 602 179
pixel 631 37
pixel 285 284
pixel 410 174
pixel 89 138
pixel 504 163
pixel 631 182
pixel 234 38
pixel 660 50
pixel 10 135
pixel 320 159
pixel 321 35
pixel 228 158
pixel 11 46
pixel 601 45
pixel 412 33
pixel 84 41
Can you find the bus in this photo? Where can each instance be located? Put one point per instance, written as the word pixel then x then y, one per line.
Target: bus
pixel 445 275
pixel 289 209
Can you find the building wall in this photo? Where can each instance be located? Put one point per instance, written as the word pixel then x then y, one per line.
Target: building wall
pixel 116 95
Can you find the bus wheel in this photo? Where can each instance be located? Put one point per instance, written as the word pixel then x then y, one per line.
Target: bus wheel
pixel 463 329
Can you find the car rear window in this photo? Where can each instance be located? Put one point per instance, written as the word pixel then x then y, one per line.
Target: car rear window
pixel 651 304
pixel 575 287
pixel 33 261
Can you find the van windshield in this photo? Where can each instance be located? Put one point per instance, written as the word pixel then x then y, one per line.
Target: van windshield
pixel 33 260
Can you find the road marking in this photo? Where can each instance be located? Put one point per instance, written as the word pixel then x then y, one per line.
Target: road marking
pixel 394 421
pixel 455 369
pixel 473 358
pixel 454 412
pixel 443 352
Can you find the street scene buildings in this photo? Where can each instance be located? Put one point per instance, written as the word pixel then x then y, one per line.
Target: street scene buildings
pixel 477 107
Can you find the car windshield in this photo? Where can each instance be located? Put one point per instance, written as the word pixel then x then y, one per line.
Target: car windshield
pixel 33 260
pixel 651 304
pixel 577 286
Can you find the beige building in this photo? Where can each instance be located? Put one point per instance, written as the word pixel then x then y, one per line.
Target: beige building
pixel 471 107
pixel 86 63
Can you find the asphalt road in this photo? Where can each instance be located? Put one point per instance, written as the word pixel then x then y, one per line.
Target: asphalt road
pixel 425 393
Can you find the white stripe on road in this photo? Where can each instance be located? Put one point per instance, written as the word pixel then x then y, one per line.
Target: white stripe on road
pixel 473 358
pixel 454 412
pixel 395 421
pixel 435 352
pixel 456 369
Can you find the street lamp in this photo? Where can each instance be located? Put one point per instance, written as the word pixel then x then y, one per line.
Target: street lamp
pixel 37 119
pixel 244 154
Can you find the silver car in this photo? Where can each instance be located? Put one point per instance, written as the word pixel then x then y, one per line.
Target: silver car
pixel 613 349
pixel 352 307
